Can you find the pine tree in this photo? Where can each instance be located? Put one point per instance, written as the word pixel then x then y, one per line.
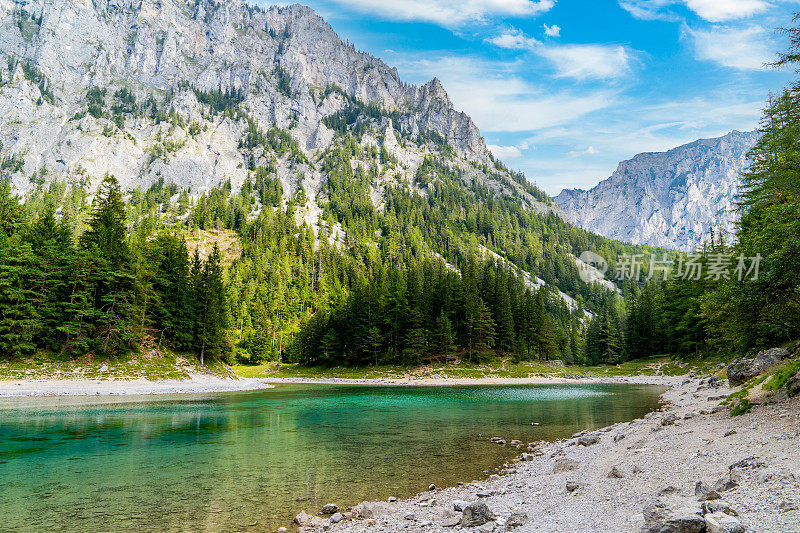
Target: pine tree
pixel 212 317
pixel 111 280
pixel 107 229
pixel 444 335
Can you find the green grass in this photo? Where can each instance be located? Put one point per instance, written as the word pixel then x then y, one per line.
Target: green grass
pixel 133 366
pixel 770 381
pixel 495 369
pixel 742 408
pixel 781 375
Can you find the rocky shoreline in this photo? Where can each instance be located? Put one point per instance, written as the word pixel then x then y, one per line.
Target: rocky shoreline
pixel 196 384
pixel 687 467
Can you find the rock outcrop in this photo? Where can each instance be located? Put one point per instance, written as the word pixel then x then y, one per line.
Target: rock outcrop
pixel 139 89
pixel 745 369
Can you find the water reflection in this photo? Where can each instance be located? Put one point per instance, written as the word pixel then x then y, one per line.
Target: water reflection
pixel 223 461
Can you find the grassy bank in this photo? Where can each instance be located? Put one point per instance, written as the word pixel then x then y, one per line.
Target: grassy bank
pixel 151 366
pixel 499 369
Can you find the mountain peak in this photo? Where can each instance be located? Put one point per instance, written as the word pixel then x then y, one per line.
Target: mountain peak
pixel 669 199
pixel 277 62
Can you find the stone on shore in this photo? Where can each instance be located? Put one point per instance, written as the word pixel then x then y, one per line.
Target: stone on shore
pixel 516 520
pixel 616 472
pixel 565 464
pixel 572 486
pixel 793 387
pixel 459 505
pixel 476 514
pixel 704 492
pixel 669 419
pixel 718 506
pixel 588 440
pixel 370 509
pixel 336 518
pixel 673 516
pixel 723 523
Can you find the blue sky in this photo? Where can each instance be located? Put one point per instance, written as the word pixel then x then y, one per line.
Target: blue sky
pixel 565 89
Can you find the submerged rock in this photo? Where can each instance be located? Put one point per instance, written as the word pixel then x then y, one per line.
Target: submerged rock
pixel 302 519
pixel 329 508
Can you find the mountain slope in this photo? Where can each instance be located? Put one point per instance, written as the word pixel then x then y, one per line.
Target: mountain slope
pixel 278 63
pixel 670 199
pixel 369 214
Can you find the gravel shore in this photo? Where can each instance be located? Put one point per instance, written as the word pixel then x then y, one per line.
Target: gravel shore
pixel 604 480
pixel 196 384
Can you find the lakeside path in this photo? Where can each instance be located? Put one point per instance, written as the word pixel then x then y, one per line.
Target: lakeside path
pixel 196 384
pixel 609 479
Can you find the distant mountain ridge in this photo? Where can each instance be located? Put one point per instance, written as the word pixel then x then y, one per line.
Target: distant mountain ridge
pixel 669 199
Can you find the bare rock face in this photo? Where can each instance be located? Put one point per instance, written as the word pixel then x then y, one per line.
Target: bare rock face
pixel 745 369
pixel 284 65
pixel 669 199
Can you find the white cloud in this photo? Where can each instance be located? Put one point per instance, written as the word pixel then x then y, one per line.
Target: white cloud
pixel 648 9
pixel 498 100
pixel 710 10
pixel 552 31
pixel 449 13
pixel 588 60
pixel 624 130
pixel 514 39
pixel 504 152
pixel 745 49
pixel 722 10
pixel 579 153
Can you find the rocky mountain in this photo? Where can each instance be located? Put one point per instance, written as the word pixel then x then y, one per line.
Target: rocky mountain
pixel 149 89
pixel 669 199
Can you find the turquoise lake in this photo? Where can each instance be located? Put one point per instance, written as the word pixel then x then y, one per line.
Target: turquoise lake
pixel 251 461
